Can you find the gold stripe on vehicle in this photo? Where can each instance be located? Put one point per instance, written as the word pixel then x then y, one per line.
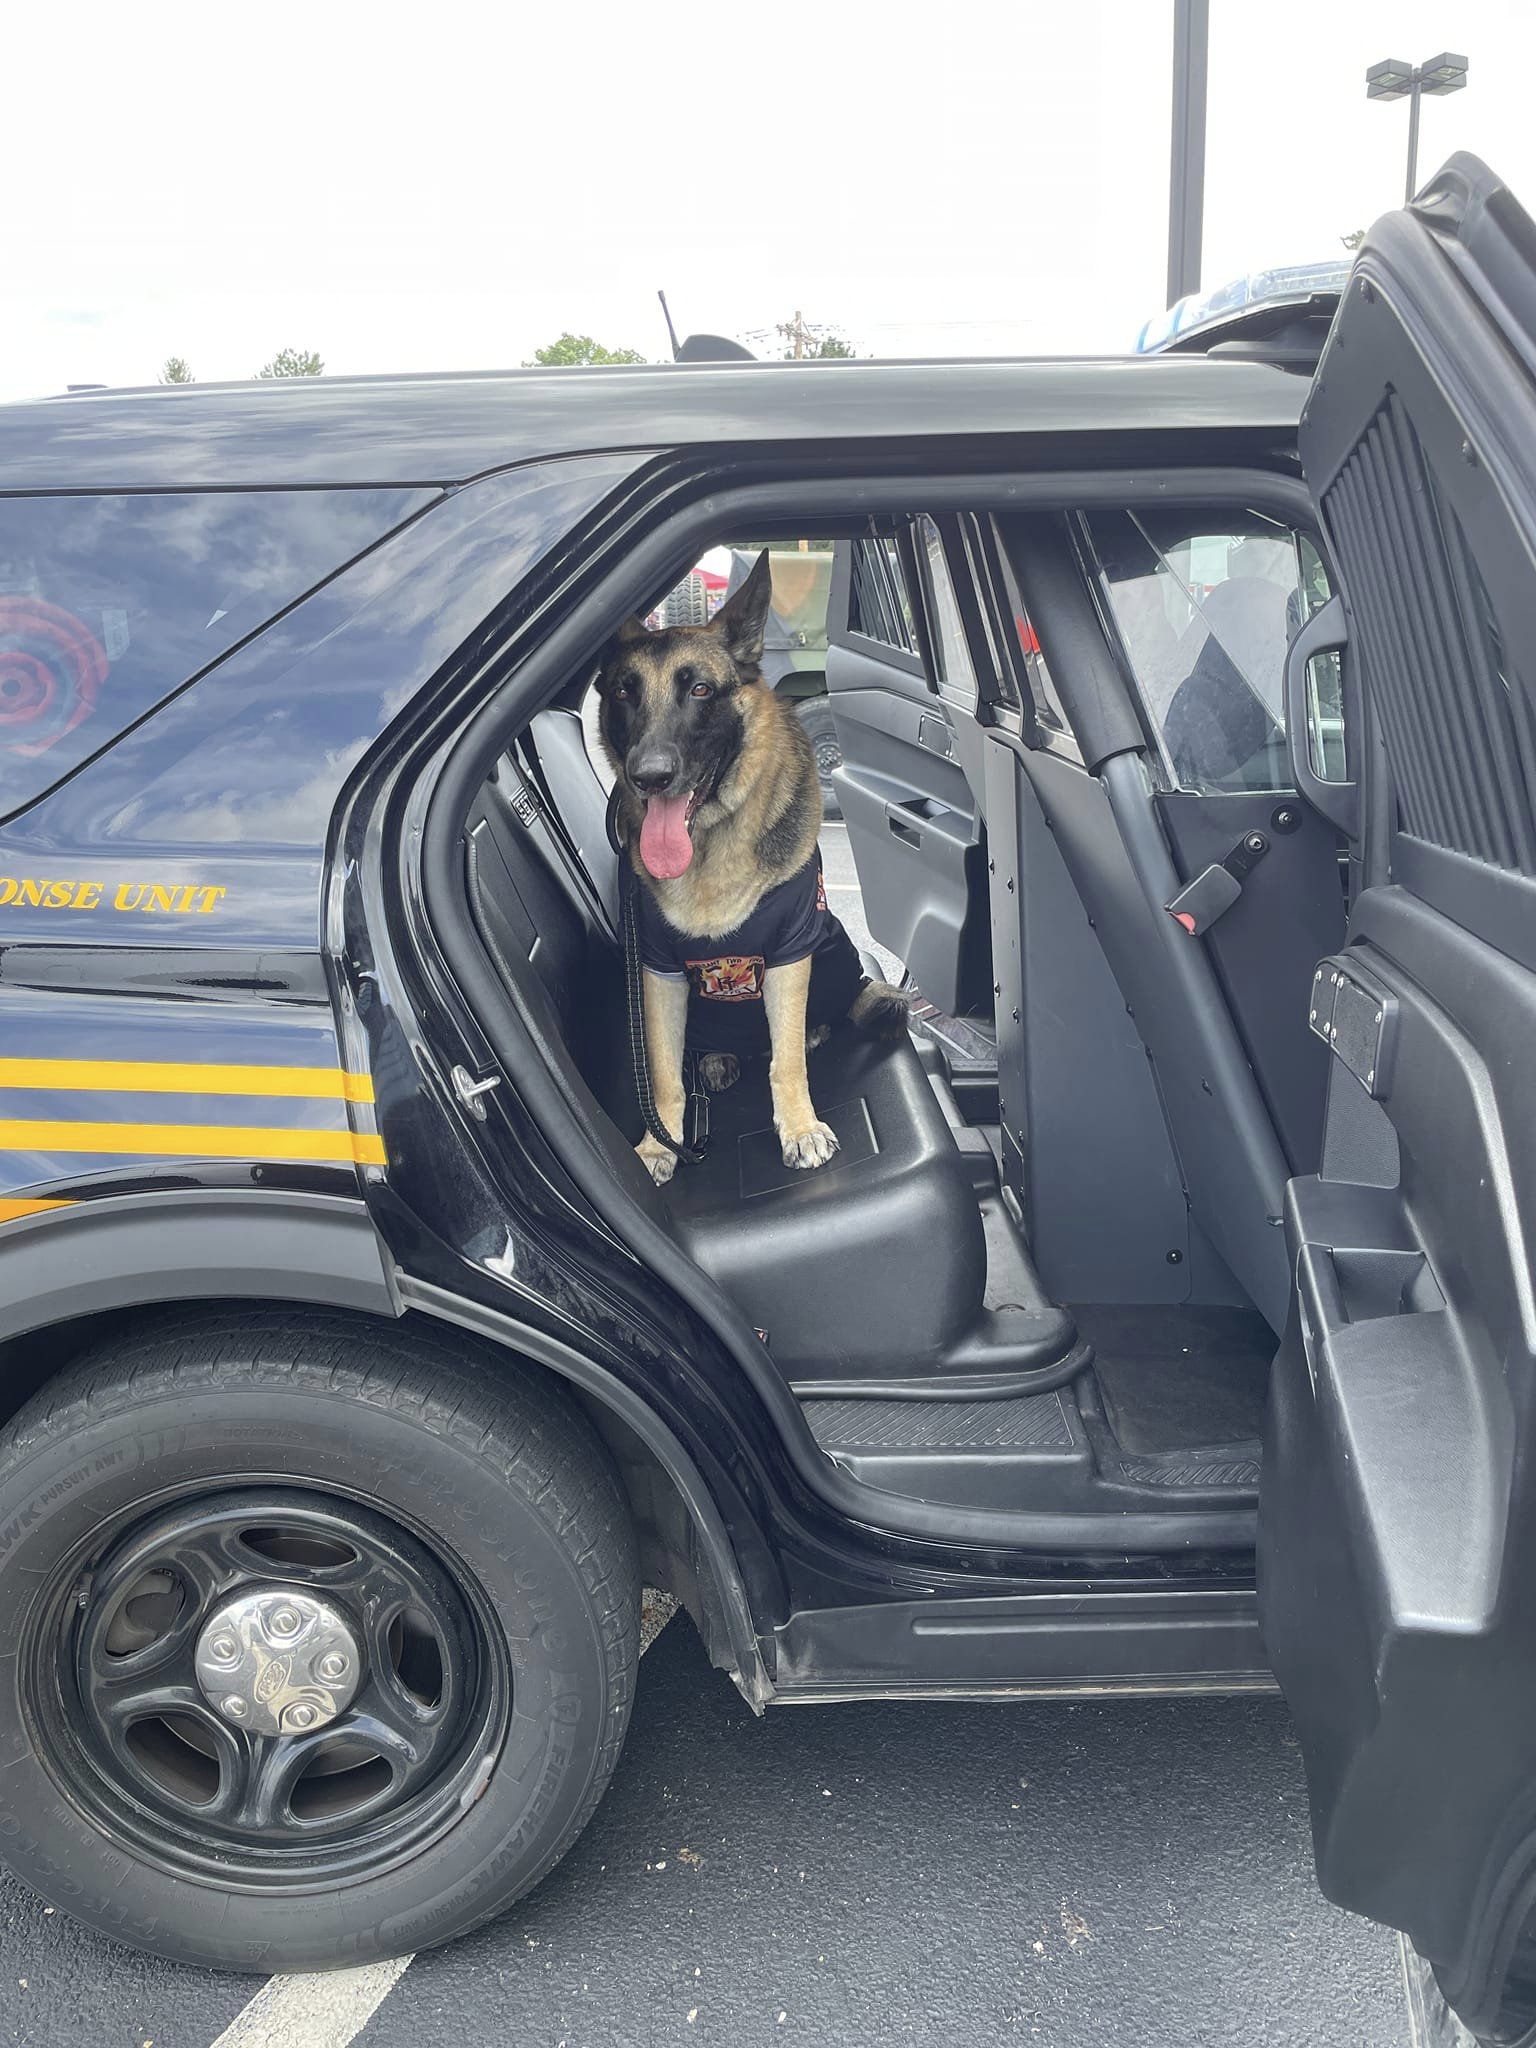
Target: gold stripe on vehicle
pixel 191 1141
pixel 13 1207
pixel 158 1077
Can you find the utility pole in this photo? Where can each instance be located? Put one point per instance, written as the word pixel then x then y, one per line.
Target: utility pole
pixel 1186 179
pixel 797 332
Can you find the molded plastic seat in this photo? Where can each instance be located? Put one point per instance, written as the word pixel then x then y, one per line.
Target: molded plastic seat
pixel 871 1271
pixel 896 1269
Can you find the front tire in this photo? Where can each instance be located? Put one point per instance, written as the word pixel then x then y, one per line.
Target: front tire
pixel 445 1547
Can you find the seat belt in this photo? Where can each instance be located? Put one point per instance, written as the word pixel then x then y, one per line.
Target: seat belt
pixel 695 1142
pixel 528 794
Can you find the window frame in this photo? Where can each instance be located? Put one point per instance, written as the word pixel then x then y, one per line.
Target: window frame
pixel 840 609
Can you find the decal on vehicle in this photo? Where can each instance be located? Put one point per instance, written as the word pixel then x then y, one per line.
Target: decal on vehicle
pixel 315 1132
pixel 13 1208
pixel 169 1077
pixel 179 899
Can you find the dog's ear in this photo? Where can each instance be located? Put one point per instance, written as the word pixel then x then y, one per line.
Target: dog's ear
pixel 633 629
pixel 742 620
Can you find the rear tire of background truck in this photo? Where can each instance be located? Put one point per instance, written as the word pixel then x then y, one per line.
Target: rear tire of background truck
pixel 317 1637
pixel 815 714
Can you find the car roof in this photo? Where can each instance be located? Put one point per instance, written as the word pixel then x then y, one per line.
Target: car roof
pixel 302 432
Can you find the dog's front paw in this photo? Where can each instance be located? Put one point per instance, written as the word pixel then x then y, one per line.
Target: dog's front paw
pixel 813 1145
pixel 659 1161
pixel 719 1071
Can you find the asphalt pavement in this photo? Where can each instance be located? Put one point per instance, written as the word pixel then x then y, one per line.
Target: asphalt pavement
pixel 1105 1872
pixel 844 898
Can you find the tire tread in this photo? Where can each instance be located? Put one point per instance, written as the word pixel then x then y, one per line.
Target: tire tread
pixel 455 1387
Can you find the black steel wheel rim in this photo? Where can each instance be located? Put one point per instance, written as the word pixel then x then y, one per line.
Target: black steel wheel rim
pixel 829 754
pixel 140 1741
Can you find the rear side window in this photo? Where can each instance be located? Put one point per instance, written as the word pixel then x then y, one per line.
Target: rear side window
pixel 878 606
pixel 956 678
pixel 108 604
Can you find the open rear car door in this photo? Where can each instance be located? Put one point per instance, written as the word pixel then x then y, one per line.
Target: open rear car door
pixel 1397 1546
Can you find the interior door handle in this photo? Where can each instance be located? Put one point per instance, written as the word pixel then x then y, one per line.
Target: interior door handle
pixel 903 825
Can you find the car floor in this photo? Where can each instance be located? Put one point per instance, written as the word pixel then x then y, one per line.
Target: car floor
pixel 1172 1379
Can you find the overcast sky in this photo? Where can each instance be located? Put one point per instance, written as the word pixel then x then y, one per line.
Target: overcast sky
pixel 448 186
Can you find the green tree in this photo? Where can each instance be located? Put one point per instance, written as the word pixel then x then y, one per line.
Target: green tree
pixel 824 348
pixel 293 362
pixel 578 349
pixel 1353 239
pixel 176 370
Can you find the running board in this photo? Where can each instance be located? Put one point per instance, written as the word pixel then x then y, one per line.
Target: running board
pixel 1026 1646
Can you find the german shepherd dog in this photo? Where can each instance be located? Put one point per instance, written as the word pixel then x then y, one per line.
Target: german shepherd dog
pixel 720 810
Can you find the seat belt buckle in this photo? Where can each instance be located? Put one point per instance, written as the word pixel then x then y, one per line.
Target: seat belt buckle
pixel 1214 891
pixel 696 1108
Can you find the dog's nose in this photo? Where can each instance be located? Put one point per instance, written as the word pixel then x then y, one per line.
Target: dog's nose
pixel 653 768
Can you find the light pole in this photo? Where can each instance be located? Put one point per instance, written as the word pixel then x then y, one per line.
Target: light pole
pixel 1186 179
pixel 1390 79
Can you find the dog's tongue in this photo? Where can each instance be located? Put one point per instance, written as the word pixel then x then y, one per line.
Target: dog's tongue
pixel 665 846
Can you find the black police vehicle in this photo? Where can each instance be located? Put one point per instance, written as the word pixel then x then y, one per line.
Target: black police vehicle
pixel 1166 1322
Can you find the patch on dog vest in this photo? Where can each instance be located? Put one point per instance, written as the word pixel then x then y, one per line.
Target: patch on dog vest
pixel 733 978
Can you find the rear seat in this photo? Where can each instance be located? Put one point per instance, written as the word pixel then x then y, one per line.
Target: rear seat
pixel 895 1269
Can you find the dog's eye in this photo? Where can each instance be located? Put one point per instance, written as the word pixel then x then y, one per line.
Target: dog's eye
pixel 702 690
pixel 625 686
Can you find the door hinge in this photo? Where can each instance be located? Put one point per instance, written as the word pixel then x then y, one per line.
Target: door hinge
pixel 471 1091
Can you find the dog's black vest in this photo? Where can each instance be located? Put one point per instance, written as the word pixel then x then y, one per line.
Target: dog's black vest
pixel 725 972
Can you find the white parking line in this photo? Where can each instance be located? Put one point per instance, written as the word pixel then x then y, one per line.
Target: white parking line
pixel 320 2009
pixel 330 2008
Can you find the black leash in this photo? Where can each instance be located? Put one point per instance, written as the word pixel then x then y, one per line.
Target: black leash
pixel 695 1141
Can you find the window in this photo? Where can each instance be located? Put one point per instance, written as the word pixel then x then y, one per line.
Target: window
pixel 1050 717
pixel 956 677
pixel 1206 605
pixel 878 605
pixel 108 604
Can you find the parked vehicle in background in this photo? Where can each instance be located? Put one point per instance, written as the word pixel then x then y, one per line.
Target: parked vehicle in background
pixel 795 646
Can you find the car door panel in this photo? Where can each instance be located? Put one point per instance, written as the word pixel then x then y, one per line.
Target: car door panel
pixel 1398 1506
pixel 912 820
